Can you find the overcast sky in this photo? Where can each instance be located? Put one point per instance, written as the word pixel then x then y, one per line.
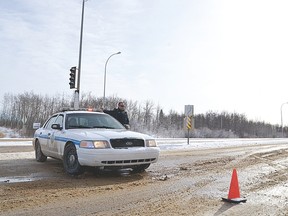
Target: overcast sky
pixel 217 55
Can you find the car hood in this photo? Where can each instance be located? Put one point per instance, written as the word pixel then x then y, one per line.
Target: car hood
pixel 109 134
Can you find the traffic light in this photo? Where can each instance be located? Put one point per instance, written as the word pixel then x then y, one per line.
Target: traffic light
pixel 72 77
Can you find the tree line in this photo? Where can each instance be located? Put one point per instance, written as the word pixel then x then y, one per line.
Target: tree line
pixel 20 111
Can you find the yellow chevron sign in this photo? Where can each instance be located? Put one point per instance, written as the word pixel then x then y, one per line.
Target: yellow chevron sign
pixel 188 123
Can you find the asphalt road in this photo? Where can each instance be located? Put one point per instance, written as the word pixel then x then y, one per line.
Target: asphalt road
pixel 183 182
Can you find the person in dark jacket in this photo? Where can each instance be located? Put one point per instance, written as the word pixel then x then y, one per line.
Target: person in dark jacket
pixel 120 114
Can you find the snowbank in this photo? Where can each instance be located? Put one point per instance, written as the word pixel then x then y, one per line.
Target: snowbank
pixel 8 132
pixel 174 144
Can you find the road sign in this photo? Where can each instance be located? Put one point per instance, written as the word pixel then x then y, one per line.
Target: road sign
pixel 36 125
pixel 189 110
pixel 189 114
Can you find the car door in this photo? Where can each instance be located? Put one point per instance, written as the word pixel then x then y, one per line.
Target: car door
pixel 55 137
pixel 45 135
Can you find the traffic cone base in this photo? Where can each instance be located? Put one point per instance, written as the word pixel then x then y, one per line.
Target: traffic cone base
pixel 234 192
pixel 236 200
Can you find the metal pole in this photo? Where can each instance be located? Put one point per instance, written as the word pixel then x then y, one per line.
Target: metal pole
pixel 282 118
pixel 77 91
pixel 105 77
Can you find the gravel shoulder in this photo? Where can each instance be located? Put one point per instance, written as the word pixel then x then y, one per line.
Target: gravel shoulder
pixel 181 183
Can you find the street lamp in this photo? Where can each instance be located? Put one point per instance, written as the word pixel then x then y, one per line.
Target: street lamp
pixel 105 76
pixel 77 91
pixel 282 118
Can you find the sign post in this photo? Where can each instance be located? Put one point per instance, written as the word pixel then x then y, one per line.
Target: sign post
pixel 189 112
pixel 188 125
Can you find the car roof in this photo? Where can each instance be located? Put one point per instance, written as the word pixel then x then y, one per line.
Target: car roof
pixel 93 112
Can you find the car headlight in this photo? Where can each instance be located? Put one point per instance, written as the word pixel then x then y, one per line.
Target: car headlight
pixel 151 143
pixel 98 144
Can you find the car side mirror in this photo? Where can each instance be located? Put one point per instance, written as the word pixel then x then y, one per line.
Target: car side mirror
pixel 127 126
pixel 56 127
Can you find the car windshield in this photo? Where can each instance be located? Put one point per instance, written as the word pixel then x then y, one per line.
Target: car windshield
pixel 91 120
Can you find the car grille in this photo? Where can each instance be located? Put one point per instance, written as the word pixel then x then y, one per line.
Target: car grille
pixel 126 143
pixel 129 161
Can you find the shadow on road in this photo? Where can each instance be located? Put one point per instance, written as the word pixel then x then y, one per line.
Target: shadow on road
pixel 224 207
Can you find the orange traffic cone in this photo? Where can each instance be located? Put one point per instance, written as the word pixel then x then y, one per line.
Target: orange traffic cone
pixel 234 192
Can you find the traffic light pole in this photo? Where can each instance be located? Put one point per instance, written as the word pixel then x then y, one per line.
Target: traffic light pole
pixel 77 91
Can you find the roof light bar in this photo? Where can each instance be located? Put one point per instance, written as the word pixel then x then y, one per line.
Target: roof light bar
pixel 64 109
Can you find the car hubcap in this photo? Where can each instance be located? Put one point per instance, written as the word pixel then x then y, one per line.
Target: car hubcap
pixel 72 159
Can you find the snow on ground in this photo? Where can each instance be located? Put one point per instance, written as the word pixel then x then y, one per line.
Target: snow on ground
pixel 164 144
pixel 18 155
pixel 175 144
pixel 8 132
pixel 12 138
pixel 15 142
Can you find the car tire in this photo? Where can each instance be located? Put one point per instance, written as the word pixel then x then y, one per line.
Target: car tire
pixel 70 160
pixel 40 157
pixel 140 168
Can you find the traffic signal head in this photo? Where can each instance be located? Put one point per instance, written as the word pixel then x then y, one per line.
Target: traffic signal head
pixel 72 77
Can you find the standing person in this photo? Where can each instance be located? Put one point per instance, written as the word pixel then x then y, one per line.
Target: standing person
pixel 120 114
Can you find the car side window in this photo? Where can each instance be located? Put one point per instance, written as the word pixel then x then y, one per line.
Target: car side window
pixel 50 122
pixel 59 120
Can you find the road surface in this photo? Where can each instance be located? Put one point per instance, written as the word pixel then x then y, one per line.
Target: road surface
pixel 183 182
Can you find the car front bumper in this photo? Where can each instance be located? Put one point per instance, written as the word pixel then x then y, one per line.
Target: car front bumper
pixel 117 157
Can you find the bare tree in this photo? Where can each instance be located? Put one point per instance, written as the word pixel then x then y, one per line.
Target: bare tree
pixel 21 110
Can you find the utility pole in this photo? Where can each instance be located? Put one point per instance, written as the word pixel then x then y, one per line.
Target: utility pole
pixel 77 91
pixel 282 118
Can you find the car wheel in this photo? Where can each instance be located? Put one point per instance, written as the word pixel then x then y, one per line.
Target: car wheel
pixel 70 160
pixel 40 157
pixel 140 168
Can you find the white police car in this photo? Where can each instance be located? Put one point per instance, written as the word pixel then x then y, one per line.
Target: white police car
pixel 94 139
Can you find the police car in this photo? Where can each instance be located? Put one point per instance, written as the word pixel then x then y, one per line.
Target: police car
pixel 93 139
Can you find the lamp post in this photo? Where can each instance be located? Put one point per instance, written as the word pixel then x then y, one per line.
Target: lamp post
pixel 77 91
pixel 282 118
pixel 105 77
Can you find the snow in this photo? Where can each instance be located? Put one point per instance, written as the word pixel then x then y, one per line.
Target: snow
pixel 167 144
pixel 12 138
pixel 15 142
pixel 8 132
pixel 16 156
pixel 164 145
pixel 178 144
